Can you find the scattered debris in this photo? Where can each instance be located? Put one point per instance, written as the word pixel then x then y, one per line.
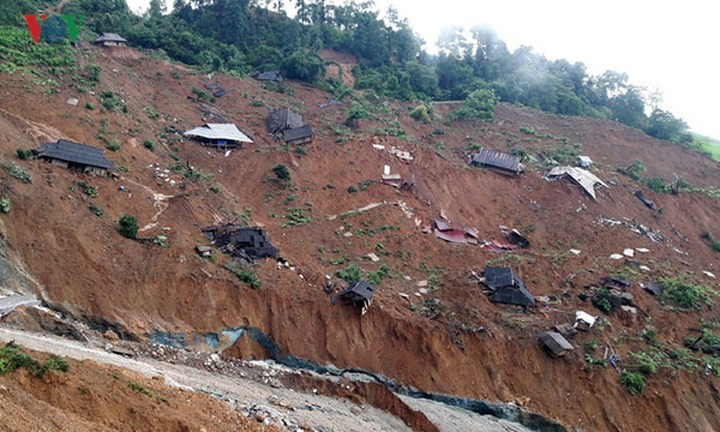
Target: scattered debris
pixel 633 226
pixel 515 237
pixel 616 256
pixel 567 330
pixel 641 196
pixel 498 161
pixel 360 295
pixel 242 242
pixel 497 247
pixel 583 321
pixel 72 101
pixel 629 253
pixel 454 235
pixel 373 257
pixel 554 343
pixel 204 251
pixel 585 161
pixel 575 251
pixel 422 283
pixel 642 250
pixel 584 178
pixel 401 154
pixel 629 309
pixel 357 211
pixel 708 274
pixel 506 287
pixel 654 288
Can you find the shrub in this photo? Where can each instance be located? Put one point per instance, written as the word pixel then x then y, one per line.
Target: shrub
pixel 149 145
pixel 150 111
pixel 5 204
pixel 684 295
pixel 352 189
pixel 89 190
pixel 355 113
pixel 257 102
pixel 249 278
pixel 634 170
pixel 89 106
pixel 24 154
pixel 634 382
pixel 644 363
pixel 113 145
pixel 479 104
pixel 128 226
pixel 97 210
pixel 350 274
pixel 281 172
pixel 420 113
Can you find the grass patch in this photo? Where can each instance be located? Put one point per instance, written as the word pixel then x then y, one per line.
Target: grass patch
pixel 17 173
pixel 248 277
pixel 13 358
pixel 686 295
pixel 634 382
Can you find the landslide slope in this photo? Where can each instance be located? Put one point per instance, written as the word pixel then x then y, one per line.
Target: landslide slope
pixel 472 348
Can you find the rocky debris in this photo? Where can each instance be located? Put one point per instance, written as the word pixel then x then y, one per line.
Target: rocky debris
pixel 40 319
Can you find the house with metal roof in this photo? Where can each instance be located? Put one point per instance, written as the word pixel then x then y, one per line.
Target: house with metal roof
pixel 507 287
pixel 75 156
pixel 359 294
pixel 220 135
pixel 273 76
pixel 498 161
pixel 555 343
pixel 110 40
pixel 587 180
pixel 289 126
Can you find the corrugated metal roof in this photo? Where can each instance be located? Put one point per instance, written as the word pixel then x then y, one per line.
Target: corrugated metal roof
pixel 283 119
pixel 507 286
pixel 298 133
pixel 496 159
pixel 584 178
pixel 73 152
pixel 555 342
pixel 219 131
pixel 110 37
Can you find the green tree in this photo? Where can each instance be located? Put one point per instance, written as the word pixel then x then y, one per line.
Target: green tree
pixel 663 125
pixel 128 226
pixel 281 172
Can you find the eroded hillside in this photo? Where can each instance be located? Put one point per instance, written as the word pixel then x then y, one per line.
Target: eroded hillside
pixel 472 347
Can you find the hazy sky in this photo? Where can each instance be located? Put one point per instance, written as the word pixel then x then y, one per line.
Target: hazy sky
pixel 667 45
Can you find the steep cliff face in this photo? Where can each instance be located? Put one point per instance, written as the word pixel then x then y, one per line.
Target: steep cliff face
pixel 14 277
pixel 473 348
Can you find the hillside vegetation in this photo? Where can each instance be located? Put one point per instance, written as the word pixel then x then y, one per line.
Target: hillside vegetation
pixel 239 36
pixel 120 253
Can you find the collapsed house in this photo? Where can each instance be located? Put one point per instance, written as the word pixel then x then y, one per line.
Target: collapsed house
pixel 219 135
pixel 110 40
pixel 289 126
pixel 584 178
pixel 497 161
pixel 360 295
pixel 554 343
pixel 506 287
pixel 216 89
pixel 75 156
pixel 242 242
pixel 272 76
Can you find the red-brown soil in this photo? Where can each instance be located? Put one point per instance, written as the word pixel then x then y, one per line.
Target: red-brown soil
pixel 89 270
pixel 94 397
